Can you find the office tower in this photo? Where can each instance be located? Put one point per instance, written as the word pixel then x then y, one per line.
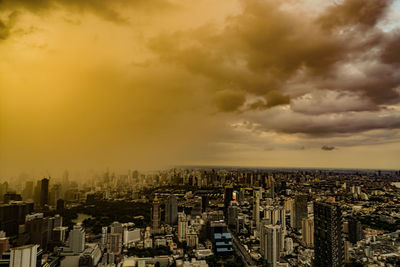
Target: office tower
pixel 300 210
pixel 307 231
pixel 233 212
pixel 77 239
pixel 328 242
pixel 355 231
pixel 114 243
pixel 116 228
pixel 12 215
pixel 156 216
pixel 182 226
pixel 60 206
pixel 271 244
pixel 171 210
pixel 44 192
pixel 228 196
pixel 25 256
pixel 256 207
pixel 104 233
pixel 38 229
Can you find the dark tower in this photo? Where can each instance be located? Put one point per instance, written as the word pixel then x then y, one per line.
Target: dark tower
pixel 301 212
pixel 328 242
pixel 228 197
pixel 44 192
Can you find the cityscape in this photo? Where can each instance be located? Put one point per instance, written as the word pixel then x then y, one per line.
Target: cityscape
pixel 204 216
pixel 199 133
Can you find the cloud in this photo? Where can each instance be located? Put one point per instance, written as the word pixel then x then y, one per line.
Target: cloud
pixel 354 12
pixel 328 148
pixel 4 31
pixel 228 100
pixel 108 10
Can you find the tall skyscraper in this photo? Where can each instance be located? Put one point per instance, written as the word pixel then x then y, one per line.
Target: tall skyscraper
pixel 328 242
pixel 355 231
pixel 44 192
pixel 307 231
pixel 271 244
pixel 156 216
pixel 256 207
pixel 228 197
pixel 171 210
pixel 77 239
pixel 25 256
pixel 182 226
pixel 300 209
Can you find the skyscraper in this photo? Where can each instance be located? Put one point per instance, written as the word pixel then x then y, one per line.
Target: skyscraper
pixel 182 226
pixel 328 242
pixel 156 216
pixel 25 256
pixel 44 192
pixel 271 244
pixel 77 239
pixel 171 210
pixel 355 231
pixel 256 207
pixel 307 231
pixel 300 212
pixel 228 196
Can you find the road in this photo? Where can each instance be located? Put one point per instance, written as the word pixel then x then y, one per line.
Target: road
pixel 242 251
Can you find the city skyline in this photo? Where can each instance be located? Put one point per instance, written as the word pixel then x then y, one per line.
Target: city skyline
pixel 148 85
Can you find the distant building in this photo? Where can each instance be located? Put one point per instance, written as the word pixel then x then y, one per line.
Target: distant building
pixel 355 230
pixel 328 242
pixel 11 196
pixel 182 226
pixel 44 192
pixel 114 243
pixel 171 210
pixel 300 210
pixel 156 216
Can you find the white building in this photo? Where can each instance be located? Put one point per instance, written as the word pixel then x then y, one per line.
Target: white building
pixel 182 226
pixel 271 244
pixel 77 239
pixel 24 256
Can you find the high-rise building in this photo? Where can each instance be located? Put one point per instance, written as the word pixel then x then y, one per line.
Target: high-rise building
pixel 25 256
pixel 182 226
pixel 355 230
pixel 27 193
pixel 328 242
pixel 171 210
pixel 256 207
pixel 156 216
pixel 300 209
pixel 44 192
pixel 114 243
pixel 77 239
pixel 228 197
pixel 307 231
pixel 271 244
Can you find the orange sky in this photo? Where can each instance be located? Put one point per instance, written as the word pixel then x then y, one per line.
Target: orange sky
pixel 150 84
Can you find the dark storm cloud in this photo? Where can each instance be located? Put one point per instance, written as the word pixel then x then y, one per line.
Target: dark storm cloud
pixel 391 50
pixel 4 31
pixel 103 8
pixel 354 12
pixel 328 148
pixel 228 100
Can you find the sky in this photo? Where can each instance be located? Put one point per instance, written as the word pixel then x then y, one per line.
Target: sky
pixel 148 84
